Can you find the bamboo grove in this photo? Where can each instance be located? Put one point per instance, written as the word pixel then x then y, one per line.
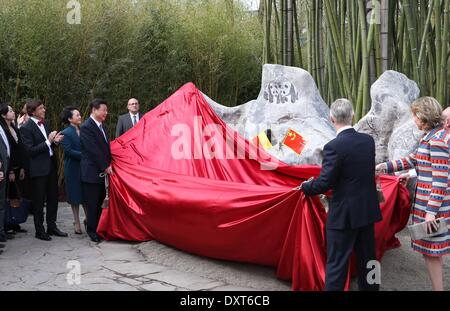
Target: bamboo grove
pixel 347 44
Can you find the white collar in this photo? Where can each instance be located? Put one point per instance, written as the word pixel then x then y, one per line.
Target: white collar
pixel 344 129
pixel 132 115
pixel 35 120
pixel 96 122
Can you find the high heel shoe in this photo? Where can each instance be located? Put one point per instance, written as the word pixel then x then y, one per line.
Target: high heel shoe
pixel 77 231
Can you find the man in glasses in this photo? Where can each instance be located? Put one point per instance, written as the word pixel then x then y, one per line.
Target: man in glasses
pixel 130 119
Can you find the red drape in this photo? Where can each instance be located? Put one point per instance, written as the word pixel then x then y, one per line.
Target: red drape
pixel 239 205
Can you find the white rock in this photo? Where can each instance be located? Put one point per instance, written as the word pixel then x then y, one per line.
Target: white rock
pixel 389 120
pixel 289 99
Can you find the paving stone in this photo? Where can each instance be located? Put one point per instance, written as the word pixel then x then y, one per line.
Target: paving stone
pixel 155 287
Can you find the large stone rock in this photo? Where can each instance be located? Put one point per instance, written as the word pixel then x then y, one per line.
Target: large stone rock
pixel 289 99
pixel 390 120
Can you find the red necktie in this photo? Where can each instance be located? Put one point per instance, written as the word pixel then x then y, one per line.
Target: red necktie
pixel 41 123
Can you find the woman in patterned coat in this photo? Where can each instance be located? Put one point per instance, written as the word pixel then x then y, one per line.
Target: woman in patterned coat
pixel 432 195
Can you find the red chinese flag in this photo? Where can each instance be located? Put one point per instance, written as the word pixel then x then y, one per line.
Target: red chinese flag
pixel 295 141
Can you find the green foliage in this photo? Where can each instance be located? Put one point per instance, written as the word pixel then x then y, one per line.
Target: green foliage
pixel 127 48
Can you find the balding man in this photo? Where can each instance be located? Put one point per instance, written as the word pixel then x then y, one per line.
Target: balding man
pixel 348 169
pixel 446 118
pixel 130 119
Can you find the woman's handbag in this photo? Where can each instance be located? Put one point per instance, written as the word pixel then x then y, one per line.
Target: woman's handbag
pixel 16 209
pixel 421 230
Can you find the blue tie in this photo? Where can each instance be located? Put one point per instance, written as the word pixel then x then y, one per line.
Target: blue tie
pixel 104 135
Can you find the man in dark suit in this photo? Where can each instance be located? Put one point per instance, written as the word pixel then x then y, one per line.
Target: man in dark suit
pixel 39 144
pixel 3 169
pixel 130 119
pixel 95 160
pixel 348 169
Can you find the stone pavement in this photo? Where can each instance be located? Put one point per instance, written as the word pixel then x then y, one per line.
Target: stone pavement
pixel 31 264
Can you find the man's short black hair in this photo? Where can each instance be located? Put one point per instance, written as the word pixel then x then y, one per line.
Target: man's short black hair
pixel 96 103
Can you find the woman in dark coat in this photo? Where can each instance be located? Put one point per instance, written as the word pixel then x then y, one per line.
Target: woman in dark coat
pixel 17 159
pixel 72 157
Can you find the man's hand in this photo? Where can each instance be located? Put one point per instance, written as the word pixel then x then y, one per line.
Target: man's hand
pixel 381 168
pixel 22 174
pixel 12 177
pixel 2 176
pixel 58 138
pixel 404 179
pixel 51 136
pixel 301 185
pixel 109 170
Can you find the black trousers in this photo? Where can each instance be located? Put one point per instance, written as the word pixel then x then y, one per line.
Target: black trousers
pixel 45 191
pixel 94 194
pixel 340 245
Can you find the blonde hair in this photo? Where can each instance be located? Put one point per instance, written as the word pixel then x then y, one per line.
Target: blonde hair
pixel 428 111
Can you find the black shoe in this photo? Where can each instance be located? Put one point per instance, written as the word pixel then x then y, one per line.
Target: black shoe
pixel 43 237
pixel 2 245
pixel 94 237
pixel 57 232
pixel 19 229
pixel 9 236
pixel 3 238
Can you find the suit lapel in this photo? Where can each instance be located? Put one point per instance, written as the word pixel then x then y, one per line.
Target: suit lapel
pixel 99 132
pixel 130 122
pixel 38 130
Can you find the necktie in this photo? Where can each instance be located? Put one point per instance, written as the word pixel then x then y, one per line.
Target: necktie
pixel 40 123
pixel 104 135
pixel 134 120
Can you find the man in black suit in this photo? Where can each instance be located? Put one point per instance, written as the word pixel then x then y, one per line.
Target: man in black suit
pixel 39 144
pixel 348 169
pixel 130 119
pixel 95 160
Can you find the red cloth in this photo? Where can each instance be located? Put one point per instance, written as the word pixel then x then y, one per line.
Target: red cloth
pixel 222 208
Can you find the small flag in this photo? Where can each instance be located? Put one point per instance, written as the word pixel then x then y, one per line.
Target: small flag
pixel 295 141
pixel 263 140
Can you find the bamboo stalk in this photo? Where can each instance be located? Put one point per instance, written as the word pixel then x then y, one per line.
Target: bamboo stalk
pixel 412 34
pixel 338 48
pixel 443 69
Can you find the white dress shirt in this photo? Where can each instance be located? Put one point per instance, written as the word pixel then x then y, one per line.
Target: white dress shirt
pixel 344 129
pixel 44 132
pixel 134 116
pixel 100 126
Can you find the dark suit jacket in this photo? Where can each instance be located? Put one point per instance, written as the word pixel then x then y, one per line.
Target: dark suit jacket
pixel 348 169
pixel 5 164
pixel 4 160
pixel 36 148
pixel 125 123
pixel 18 158
pixel 95 152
